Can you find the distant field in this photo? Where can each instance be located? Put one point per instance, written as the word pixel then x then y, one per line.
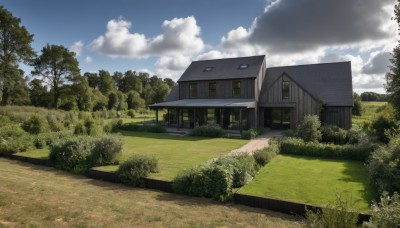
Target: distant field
pixel 312 181
pixel 35 196
pixel 369 112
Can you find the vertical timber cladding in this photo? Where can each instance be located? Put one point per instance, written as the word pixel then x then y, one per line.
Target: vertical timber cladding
pixel 303 102
pixel 224 89
pixel 340 116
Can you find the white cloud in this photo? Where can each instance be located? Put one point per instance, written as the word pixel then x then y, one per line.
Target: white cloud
pixel 172 66
pixel 88 59
pixel 77 48
pixel 181 36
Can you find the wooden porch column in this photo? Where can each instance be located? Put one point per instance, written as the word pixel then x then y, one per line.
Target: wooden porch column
pixel 240 121
pixel 156 116
pixel 177 118
pixel 194 117
pixel 168 119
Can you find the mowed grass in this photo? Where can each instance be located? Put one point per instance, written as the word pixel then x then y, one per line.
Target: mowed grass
pixel 369 112
pixel 312 181
pixel 174 153
pixel 35 196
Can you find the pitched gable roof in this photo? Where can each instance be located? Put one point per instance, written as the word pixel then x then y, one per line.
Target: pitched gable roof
pixel 223 69
pixel 331 82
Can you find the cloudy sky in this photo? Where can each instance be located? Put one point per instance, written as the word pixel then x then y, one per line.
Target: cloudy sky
pixel 163 37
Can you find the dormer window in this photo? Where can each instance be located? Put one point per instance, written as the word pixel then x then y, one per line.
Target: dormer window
pixel 243 66
pixel 208 69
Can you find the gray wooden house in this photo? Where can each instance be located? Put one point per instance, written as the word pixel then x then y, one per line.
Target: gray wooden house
pixel 241 93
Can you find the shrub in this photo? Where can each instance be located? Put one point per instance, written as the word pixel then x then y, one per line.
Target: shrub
pixel 112 126
pixel 80 129
pixel 241 167
pixel 383 125
pixel 252 133
pixel 334 134
pixel 72 154
pixel 35 124
pixel 142 128
pixel 359 152
pixel 265 155
pixel 209 130
pixel 106 150
pixel 134 169
pixel 13 139
pixel 337 215
pixel 131 113
pixel 384 167
pixel 209 180
pixel 308 129
pixel 290 133
pixel 39 141
pixel 54 123
pixel 387 212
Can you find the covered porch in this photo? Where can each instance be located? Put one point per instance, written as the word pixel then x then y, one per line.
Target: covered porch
pixel 230 114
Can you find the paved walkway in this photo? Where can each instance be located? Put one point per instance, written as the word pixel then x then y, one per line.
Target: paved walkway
pixel 257 143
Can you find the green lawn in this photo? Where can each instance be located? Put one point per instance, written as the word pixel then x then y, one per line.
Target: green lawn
pixel 369 112
pixel 174 153
pixel 312 181
pixel 37 153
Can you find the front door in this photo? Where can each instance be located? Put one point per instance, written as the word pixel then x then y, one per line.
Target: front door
pixel 277 118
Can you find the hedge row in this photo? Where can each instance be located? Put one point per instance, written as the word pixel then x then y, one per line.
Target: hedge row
pixel 142 128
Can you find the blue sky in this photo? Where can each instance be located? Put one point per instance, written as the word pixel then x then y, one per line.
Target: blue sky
pixel 163 37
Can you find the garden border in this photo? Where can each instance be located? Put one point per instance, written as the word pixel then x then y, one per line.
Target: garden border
pixel 283 206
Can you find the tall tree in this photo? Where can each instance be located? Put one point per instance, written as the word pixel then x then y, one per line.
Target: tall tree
pixel 92 79
pixel 55 65
pixel 169 82
pixel 131 82
pixel 393 77
pixel 106 84
pixel 15 46
pixel 38 93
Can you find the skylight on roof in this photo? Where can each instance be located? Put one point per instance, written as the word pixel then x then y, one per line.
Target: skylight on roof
pixel 208 69
pixel 243 66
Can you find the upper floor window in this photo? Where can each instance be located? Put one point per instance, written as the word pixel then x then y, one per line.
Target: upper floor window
pixel 236 88
pixel 208 69
pixel 285 89
pixel 193 90
pixel 243 66
pixel 212 89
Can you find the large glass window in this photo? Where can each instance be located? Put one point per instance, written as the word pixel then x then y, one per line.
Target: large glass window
pixel 236 88
pixel 193 90
pixel 285 89
pixel 212 89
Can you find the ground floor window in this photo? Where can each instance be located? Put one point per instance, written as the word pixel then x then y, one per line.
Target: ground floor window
pixel 277 118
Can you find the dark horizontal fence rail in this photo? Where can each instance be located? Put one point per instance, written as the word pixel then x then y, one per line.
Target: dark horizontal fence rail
pixel 282 206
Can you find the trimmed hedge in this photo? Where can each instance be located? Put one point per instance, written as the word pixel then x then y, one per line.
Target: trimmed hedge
pixel 134 169
pixel 209 130
pixel 106 150
pixel 334 134
pixel 264 156
pixel 142 128
pixel 359 152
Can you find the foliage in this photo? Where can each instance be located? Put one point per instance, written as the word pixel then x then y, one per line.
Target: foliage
pixel 56 64
pixel 384 166
pixel 131 113
pixel 15 46
pixel 106 150
pixel 308 129
pixel 266 154
pixel 13 139
pixel 371 96
pixel 290 133
pixel 386 213
pixel 359 152
pixel 112 126
pixel 88 127
pixel 35 124
pixel 385 124
pixel 252 133
pixel 334 134
pixel 209 130
pixel 72 154
pixel 134 100
pixel 134 169
pixel 337 215
pixel 142 128
pixel 357 108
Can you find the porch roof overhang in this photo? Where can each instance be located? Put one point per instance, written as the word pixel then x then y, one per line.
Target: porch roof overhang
pixel 211 103
pixel 277 105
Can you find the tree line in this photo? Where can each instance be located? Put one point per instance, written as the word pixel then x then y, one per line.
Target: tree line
pixel 57 81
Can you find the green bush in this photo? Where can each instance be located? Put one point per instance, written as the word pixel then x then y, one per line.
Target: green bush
pixel 142 128
pixel 209 180
pixel 134 169
pixel 308 129
pixel 252 133
pixel 290 133
pixel 265 155
pixel 72 154
pixel 106 150
pixel 334 134
pixel 387 212
pixel 13 139
pixel 384 167
pixel 209 130
pixel 112 126
pixel 54 123
pixel 35 124
pixel 382 126
pixel 241 167
pixel 39 141
pixel 359 152
pixel 131 113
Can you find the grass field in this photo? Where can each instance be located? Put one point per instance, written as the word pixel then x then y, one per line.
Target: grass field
pixel 174 153
pixel 35 196
pixel 369 112
pixel 312 181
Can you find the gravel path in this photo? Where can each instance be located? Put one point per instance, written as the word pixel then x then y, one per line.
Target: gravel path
pixel 257 143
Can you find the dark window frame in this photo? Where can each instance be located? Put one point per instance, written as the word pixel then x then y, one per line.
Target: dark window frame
pixel 193 93
pixel 236 90
pixel 212 92
pixel 285 89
